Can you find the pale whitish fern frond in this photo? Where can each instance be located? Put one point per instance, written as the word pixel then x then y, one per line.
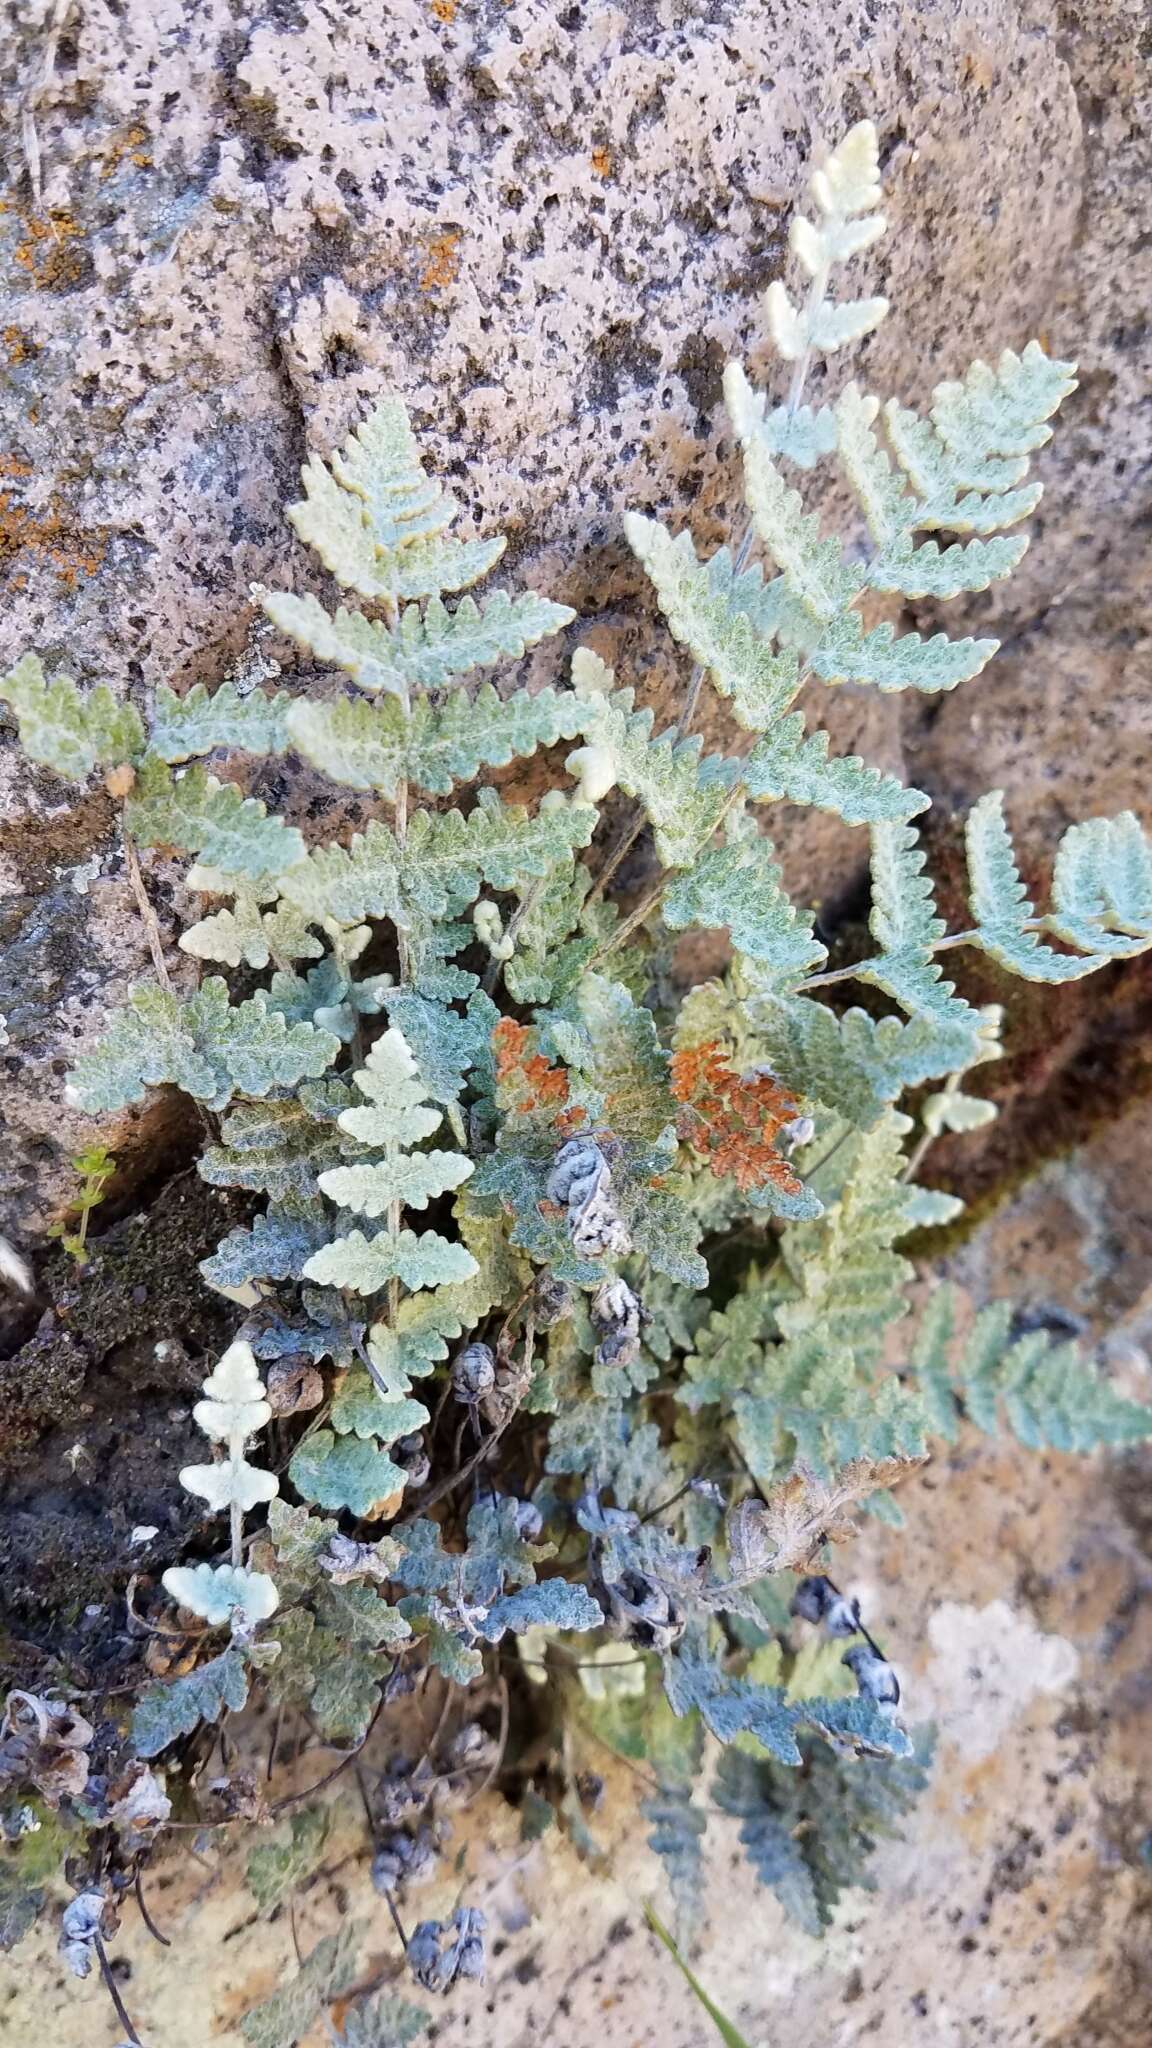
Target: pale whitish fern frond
pixel 252 932
pixel 1102 895
pixel 712 611
pixel 376 521
pixel 683 793
pixel 854 1064
pixel 204 1044
pixel 725 621
pixel 848 1281
pixel 378 746
pixel 967 461
pixel 737 886
pixel 440 870
pixel 904 922
pixel 893 515
pixel 349 1465
pixel 190 809
pixel 1047 1393
pixel 424 649
pixel 824 583
pixel 203 721
pixel 235 1408
pixel 786 763
pixel 397 1116
pixel 811 1408
pixel 71 731
pixel 846 194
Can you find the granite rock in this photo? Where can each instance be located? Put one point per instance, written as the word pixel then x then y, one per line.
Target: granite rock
pixel 227 229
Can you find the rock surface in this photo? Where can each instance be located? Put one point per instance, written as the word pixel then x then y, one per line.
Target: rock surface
pixel 227 229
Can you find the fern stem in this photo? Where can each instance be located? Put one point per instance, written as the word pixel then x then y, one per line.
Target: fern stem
pixel 528 901
pixel 695 680
pixel 649 902
pixel 944 945
pixel 147 914
pixel 817 293
pixel 113 1991
pixel 622 849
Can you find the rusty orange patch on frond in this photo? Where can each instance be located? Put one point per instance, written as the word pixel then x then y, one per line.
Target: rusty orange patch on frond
pixel 732 1119
pixel 527 1084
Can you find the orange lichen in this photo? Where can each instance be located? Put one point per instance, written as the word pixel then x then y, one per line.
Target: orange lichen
pixel 128 143
pixel 19 347
pixel 444 10
pixel 442 260
pixel 48 252
pixel 51 533
pixel 732 1119
pixel 602 162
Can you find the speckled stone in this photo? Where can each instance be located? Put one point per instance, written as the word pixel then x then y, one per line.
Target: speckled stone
pixel 547 227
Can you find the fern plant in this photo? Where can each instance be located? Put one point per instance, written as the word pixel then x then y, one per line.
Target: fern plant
pixel 492 1154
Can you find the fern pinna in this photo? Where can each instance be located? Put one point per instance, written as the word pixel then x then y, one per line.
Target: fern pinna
pixel 491 1150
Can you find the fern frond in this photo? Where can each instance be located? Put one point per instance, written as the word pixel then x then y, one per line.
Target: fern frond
pixel 378 746
pixel 251 933
pixel 425 648
pixel 346 1472
pixel 824 583
pixel 848 1281
pixel 398 1116
pixel 893 514
pixel 275 1248
pixel 732 1707
pixel 278 1148
pixel 365 1265
pixel 203 1044
pixel 612 1041
pixel 376 521
pixel 788 763
pixel 968 460
pixel 846 193
pixel 1103 884
pixel 676 1832
pixel 73 732
pixel 1103 880
pixel 1049 1394
pixel 551 949
pixel 441 869
pixel 809 1834
pixel 844 653
pixel 810 1407
pixel 192 810
pixel 763 1799
pixel 904 922
pixel 854 1064
pixel 818 576
pixel 738 886
pixel 729 1347
pixel 203 721
pixel 683 794
pixel 702 603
